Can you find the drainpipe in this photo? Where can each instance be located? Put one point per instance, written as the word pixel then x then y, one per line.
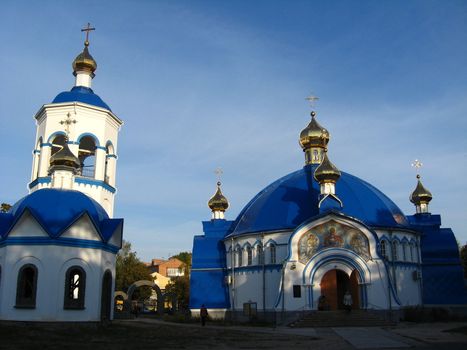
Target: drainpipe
pixel 284 263
pixel 264 275
pixel 389 272
pixel 419 265
pixel 232 262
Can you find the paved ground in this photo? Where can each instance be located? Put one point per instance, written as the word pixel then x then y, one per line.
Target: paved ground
pixel 403 336
pixel 146 333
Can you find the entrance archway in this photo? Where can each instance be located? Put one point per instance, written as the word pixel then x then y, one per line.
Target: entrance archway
pixel 155 287
pixel 335 283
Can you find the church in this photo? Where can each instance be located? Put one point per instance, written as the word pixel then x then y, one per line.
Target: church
pixel 310 237
pixel 58 244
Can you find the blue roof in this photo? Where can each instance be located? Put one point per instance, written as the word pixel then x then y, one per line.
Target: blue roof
pixel 57 209
pixel 81 94
pixel 293 199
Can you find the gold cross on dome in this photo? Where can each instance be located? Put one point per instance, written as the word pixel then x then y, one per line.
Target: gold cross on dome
pixel 67 122
pixel 87 30
pixel 312 100
pixel 218 173
pixel 417 165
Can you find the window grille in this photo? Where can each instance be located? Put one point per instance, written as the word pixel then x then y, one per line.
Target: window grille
pixel 384 251
pixel 273 253
pixel 249 256
pixel 260 254
pixel 26 287
pixel 75 286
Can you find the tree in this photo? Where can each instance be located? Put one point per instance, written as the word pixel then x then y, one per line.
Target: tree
pixel 180 286
pixel 130 269
pixel 5 207
pixel 463 256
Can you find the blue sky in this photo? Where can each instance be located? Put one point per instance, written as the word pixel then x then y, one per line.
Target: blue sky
pixel 207 84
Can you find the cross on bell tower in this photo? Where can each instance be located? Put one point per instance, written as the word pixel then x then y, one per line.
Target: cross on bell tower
pixel 67 122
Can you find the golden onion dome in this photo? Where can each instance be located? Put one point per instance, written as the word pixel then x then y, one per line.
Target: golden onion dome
pixel 326 171
pixel 420 195
pixel 314 135
pixel 218 202
pixel 84 61
pixel 65 157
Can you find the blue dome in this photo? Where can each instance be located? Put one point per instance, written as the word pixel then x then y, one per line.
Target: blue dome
pixel 56 209
pixel 293 199
pixel 81 94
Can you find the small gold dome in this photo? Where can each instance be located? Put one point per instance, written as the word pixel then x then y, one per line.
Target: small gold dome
pixel 326 171
pixel 65 157
pixel 218 202
pixel 84 61
pixel 314 135
pixel 420 195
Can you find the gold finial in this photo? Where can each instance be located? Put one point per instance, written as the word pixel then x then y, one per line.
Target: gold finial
pixel 218 202
pixel 67 122
pixel 87 30
pixel 314 138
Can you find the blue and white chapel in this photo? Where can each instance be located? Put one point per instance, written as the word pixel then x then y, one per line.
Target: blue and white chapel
pixel 58 244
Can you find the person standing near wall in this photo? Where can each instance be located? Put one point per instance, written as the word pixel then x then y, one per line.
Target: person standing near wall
pixel 203 312
pixel 347 301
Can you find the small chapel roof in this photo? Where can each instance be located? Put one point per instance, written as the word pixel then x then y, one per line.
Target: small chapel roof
pixel 81 94
pixel 58 209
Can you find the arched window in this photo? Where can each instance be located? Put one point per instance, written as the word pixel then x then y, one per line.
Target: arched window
pixel 412 256
pixel 87 156
pixel 395 247
pixel 75 286
pixel 404 251
pixel 384 248
pixel 239 257
pixel 259 254
pixel 57 143
pixel 26 287
pixel 272 250
pixel 249 256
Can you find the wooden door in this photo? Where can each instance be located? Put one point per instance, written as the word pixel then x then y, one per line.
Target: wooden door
pixel 329 289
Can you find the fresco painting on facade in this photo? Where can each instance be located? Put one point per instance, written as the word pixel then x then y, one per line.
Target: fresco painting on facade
pixel 332 235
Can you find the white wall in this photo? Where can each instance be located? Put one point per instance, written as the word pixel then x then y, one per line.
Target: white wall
pixel 52 263
pixel 249 281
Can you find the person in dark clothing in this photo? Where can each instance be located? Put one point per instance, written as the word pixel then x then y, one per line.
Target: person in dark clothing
pixel 203 312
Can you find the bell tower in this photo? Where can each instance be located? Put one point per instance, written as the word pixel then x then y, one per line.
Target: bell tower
pixel 83 122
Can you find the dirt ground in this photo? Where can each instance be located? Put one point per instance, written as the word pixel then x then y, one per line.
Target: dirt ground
pixel 146 334
pixel 138 335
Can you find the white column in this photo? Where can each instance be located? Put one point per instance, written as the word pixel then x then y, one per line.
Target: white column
pixel 100 164
pixel 44 161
